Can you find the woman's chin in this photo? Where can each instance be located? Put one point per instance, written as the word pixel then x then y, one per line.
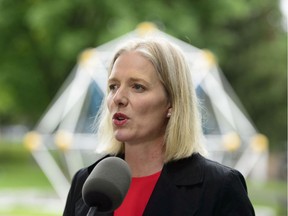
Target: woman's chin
pixel 121 137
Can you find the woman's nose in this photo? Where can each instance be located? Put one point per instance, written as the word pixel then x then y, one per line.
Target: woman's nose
pixel 120 98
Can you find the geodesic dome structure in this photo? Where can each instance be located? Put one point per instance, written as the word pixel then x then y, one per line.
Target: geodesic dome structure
pixel 63 141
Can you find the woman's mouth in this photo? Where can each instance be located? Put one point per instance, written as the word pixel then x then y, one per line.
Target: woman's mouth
pixel 119 119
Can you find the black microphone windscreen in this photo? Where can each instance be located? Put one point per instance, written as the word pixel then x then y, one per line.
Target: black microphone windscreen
pixel 107 185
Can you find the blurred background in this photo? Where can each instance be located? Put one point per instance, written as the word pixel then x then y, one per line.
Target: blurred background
pixel 40 42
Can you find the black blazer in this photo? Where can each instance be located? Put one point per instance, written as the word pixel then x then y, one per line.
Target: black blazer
pixel 190 186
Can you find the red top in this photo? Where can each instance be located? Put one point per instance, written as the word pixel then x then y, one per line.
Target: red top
pixel 138 195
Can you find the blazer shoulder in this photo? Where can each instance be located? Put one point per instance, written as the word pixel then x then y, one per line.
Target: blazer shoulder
pixel 183 172
pixel 214 168
pixel 74 202
pixel 215 172
pixel 83 173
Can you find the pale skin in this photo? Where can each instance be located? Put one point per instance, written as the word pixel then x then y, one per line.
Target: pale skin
pixel 139 105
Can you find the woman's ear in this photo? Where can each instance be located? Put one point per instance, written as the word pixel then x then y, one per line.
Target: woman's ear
pixel 169 113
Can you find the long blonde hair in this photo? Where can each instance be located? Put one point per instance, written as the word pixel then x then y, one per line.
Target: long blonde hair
pixel 183 133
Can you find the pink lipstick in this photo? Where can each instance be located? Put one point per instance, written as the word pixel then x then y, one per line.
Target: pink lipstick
pixel 119 119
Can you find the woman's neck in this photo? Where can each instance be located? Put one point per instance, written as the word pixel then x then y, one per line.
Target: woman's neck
pixel 143 159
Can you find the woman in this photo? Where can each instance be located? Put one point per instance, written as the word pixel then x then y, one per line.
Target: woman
pixel 150 119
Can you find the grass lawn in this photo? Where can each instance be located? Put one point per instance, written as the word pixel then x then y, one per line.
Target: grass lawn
pixel 19 172
pixel 27 212
pixel 20 179
pixel 272 194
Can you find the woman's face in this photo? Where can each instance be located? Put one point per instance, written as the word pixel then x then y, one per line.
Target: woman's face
pixel 137 100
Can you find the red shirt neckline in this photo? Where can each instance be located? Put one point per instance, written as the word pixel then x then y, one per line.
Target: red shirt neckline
pixel 138 195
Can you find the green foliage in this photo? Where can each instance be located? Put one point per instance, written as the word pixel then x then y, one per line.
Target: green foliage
pixel 40 41
pixel 258 71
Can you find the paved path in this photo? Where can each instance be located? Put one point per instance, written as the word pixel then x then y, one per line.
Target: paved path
pixel 38 201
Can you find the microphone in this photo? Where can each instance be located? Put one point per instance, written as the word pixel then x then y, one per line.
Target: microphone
pixel 106 187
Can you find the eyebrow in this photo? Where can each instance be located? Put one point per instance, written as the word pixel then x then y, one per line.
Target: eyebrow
pixel 113 79
pixel 139 80
pixel 132 79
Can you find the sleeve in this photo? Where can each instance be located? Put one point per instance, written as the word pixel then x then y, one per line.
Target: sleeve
pixel 235 198
pixel 69 209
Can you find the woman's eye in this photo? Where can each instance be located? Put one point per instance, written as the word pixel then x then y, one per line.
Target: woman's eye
pixel 112 87
pixel 138 87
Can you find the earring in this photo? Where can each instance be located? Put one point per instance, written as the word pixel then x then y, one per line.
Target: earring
pixel 168 115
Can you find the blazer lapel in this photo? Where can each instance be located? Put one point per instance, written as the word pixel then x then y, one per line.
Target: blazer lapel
pixel 178 190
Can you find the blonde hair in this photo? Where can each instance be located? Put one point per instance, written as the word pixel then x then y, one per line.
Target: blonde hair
pixel 183 133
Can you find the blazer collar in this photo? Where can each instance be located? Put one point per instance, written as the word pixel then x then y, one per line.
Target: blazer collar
pixel 173 194
pixel 187 171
